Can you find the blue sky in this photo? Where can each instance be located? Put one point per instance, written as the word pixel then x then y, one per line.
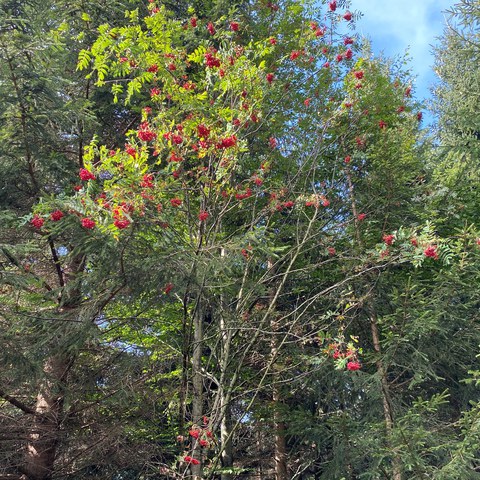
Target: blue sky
pixel 393 26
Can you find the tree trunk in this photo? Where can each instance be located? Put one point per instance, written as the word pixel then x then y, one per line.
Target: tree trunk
pixel 225 412
pixel 281 471
pixel 226 441
pixel 386 400
pixel 45 429
pixel 280 455
pixel 385 390
pixel 182 396
pixel 197 383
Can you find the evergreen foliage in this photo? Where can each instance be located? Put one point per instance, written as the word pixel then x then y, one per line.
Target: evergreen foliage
pixel 227 249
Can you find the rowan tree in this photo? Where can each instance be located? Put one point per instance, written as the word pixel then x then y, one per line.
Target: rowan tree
pixel 237 266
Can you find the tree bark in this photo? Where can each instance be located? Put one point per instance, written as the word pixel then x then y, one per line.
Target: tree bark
pixel 386 400
pixel 226 441
pixel 197 384
pixel 44 434
pixel 182 396
pixel 382 372
pixel 280 455
pixel 281 470
pixel 225 411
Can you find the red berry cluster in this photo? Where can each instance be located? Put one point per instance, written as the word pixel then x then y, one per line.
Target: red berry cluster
pixel 344 353
pixel 201 436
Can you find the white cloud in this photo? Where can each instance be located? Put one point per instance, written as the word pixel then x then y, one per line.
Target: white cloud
pixel 397 25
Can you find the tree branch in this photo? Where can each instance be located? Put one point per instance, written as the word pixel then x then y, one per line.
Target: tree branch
pixel 17 403
pixel 56 262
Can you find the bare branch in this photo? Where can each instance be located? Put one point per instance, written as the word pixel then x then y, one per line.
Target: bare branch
pixel 17 403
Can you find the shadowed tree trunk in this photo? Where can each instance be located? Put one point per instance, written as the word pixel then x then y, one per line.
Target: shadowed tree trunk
pixel 45 429
pixel 386 400
pixel 281 470
pixel 225 411
pixel 280 455
pixel 385 389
